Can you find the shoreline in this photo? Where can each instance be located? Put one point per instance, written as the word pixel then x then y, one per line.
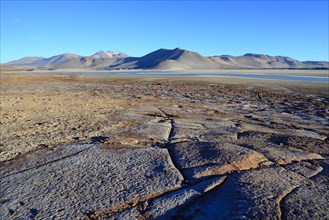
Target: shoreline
pixel 316 88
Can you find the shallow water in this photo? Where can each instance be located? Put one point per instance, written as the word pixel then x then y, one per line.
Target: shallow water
pixel 274 77
pixel 226 75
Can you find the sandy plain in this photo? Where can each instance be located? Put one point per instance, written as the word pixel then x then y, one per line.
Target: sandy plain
pixel 165 147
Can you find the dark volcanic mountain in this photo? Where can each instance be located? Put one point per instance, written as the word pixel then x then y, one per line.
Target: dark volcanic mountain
pixel 167 59
pixel 177 58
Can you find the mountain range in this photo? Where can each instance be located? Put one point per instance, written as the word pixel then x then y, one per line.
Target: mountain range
pixel 165 59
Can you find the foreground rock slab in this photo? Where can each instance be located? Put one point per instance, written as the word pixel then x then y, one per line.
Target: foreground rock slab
pixel 201 159
pixel 95 181
pixel 258 194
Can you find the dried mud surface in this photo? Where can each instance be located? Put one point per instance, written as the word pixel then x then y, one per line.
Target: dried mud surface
pixel 98 147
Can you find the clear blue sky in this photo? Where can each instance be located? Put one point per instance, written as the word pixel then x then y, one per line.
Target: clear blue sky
pixel 298 29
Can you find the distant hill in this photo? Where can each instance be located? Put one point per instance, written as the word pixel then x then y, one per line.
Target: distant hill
pixel 43 62
pixel 24 61
pixel 261 61
pixel 167 60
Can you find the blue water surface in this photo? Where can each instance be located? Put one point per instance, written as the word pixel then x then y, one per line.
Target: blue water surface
pixel 225 75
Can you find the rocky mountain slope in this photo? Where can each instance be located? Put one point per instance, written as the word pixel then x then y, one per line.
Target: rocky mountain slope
pixel 168 59
pixel 108 54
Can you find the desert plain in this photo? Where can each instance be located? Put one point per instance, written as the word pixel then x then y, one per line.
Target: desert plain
pixel 79 146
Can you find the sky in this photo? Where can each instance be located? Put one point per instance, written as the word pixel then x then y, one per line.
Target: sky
pixel 298 29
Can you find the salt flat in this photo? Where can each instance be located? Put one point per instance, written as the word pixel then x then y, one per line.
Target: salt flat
pixel 141 147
